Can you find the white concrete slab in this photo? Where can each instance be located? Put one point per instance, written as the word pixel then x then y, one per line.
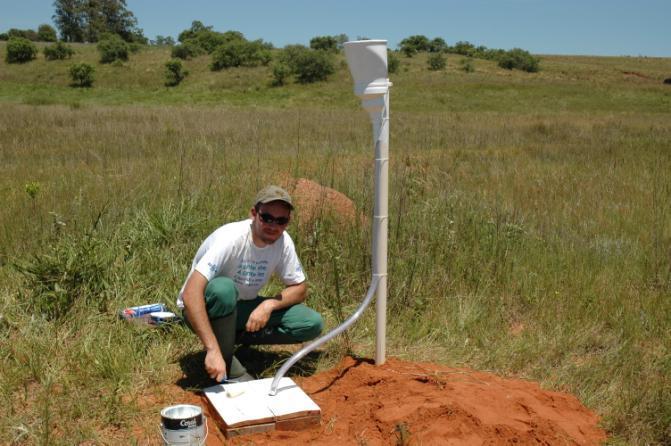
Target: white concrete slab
pixel 248 403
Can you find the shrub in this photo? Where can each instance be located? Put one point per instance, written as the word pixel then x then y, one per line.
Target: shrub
pixel 24 33
pixel 281 71
pixel 186 50
pixel 240 53
pixel 208 41
pixel 464 48
pixel 111 48
pixel 174 73
pixel 519 59
pixel 4 36
pixel 58 51
pixel 46 33
pixel 20 50
pixel 73 270
pixel 493 54
pixel 324 43
pixel 291 53
pixel 437 61
pixel 393 62
pixel 312 66
pixel 413 44
pixel 135 47
pixel 467 65
pixel 82 74
pixel 437 45
pixel 163 41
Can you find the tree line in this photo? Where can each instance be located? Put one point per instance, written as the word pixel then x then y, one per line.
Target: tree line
pixel 114 28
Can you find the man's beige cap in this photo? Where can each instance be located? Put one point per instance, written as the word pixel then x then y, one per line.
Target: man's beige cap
pixel 273 193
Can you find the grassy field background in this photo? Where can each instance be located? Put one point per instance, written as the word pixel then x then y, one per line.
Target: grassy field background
pixel 530 225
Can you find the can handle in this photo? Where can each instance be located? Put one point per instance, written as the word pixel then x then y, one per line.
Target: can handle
pixel 202 443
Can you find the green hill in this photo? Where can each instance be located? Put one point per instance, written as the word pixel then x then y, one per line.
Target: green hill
pixel 564 84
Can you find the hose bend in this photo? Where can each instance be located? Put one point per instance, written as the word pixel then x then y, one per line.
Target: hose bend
pixel 327 337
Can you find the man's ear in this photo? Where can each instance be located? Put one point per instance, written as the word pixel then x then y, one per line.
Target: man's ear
pixel 252 212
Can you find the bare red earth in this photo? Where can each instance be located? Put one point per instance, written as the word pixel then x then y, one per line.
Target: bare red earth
pixel 427 404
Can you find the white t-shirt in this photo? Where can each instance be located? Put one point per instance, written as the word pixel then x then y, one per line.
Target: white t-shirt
pixel 229 251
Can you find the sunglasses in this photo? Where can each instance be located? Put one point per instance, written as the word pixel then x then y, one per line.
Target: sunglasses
pixel 270 219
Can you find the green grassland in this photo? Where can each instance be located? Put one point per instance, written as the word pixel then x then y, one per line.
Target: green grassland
pixel 530 225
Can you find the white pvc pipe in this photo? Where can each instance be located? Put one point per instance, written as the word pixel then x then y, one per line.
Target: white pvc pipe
pixel 378 110
pixel 380 121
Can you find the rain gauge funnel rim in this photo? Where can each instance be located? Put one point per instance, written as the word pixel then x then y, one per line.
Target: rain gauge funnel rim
pixel 367 61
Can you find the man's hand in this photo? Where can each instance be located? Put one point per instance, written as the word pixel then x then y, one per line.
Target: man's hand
pixel 291 295
pixel 259 317
pixel 215 366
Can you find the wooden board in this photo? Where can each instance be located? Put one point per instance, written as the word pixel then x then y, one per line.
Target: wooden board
pixel 244 408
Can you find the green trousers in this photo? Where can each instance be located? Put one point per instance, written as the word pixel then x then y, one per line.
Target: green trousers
pixel 228 317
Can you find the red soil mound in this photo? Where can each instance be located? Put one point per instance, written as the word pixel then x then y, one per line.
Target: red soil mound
pixel 427 404
pixel 313 200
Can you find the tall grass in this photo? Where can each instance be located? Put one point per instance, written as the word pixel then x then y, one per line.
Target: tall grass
pixel 533 243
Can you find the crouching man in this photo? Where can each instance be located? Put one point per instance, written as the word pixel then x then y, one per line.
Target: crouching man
pixel 220 296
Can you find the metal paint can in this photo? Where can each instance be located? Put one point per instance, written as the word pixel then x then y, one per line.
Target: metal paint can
pixel 183 425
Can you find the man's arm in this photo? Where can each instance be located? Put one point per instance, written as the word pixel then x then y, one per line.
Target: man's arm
pixel 194 307
pixel 291 295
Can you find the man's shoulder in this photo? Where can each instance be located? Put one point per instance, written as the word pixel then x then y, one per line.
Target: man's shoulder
pixel 230 233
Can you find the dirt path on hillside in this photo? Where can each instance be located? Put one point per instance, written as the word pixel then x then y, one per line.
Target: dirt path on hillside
pixel 427 404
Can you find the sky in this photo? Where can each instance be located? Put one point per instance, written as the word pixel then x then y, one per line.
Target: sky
pixel 575 27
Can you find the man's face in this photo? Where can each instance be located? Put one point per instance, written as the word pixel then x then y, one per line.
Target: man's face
pixel 265 225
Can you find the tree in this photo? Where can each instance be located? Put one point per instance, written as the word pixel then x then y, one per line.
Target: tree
pixel 437 45
pixel 69 19
pixel 23 33
pixel 58 51
pixel 196 28
pixel 163 41
pixel 312 66
pixel 46 33
pixel 393 62
pixel 111 48
pixel 467 64
pixel 437 61
pixel 186 50
pixel 413 44
pixel 206 39
pixel 341 39
pixel 281 72
pixel 238 53
pixel 20 50
pixel 307 65
pixel 464 48
pixel 324 43
pixel 81 75
pixel 87 20
pixel 174 73
pixel 111 16
pixel 520 59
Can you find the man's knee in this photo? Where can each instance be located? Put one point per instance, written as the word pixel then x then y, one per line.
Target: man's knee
pixel 309 328
pixel 221 296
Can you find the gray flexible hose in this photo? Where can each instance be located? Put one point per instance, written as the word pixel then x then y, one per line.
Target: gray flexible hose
pixel 327 337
